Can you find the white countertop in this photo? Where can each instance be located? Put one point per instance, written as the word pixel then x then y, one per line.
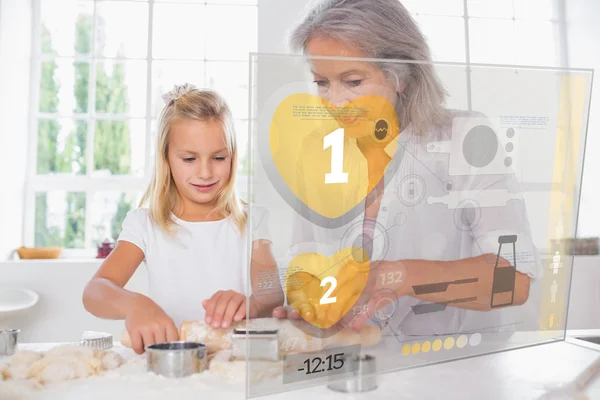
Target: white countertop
pixel 524 373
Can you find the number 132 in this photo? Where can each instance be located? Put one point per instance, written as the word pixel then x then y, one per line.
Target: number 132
pixel 391 278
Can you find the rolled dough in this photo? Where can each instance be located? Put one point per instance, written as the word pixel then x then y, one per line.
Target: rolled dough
pixel 292 339
pixel 59 364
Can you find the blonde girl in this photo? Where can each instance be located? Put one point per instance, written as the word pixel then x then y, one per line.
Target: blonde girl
pixel 192 236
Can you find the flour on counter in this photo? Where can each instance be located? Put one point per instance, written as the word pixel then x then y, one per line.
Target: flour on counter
pixel 27 373
pixel 124 376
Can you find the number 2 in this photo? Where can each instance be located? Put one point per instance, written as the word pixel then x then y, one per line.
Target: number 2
pixel 335 140
pixel 326 299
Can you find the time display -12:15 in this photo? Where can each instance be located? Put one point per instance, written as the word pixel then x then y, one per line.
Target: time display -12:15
pixel 317 364
pixel 334 360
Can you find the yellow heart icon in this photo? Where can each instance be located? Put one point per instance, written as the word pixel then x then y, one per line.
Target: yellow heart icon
pixel 323 289
pixel 331 157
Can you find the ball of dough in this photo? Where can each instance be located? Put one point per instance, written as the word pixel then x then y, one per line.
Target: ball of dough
pixel 235 371
pixel 25 358
pixel 112 360
pixel 16 372
pixel 73 350
pixel 59 364
pixel 19 365
pixel 4 372
pixel 52 369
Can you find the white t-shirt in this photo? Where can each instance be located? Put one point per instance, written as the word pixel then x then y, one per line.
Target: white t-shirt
pixel 413 223
pixel 202 258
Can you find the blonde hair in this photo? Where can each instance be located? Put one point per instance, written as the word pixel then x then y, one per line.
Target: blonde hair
pixel 383 29
pixel 162 196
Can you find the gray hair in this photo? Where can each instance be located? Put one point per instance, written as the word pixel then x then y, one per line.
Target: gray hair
pixel 383 29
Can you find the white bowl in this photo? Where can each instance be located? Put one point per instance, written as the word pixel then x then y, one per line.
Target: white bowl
pixel 14 301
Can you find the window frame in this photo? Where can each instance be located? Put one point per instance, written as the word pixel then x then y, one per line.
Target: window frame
pixel 87 183
pixel 557 19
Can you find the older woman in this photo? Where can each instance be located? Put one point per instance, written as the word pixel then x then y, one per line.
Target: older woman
pixel 411 225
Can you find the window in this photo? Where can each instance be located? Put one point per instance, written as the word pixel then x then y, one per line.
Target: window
pixel 486 31
pixel 509 32
pixel 99 69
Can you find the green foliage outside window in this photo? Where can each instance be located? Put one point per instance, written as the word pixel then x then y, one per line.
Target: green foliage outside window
pixel 112 144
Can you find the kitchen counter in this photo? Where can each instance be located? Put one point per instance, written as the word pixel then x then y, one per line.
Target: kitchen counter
pixel 524 373
pixel 59 316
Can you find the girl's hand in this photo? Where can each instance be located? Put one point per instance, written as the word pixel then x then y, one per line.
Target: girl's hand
pixel 225 307
pixel 148 324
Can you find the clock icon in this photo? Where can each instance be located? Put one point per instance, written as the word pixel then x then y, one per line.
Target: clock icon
pixel 316 365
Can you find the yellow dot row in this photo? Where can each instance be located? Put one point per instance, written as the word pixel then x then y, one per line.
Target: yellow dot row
pixel 448 344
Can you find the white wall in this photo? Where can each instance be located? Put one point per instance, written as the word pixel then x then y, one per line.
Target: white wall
pixel 275 19
pixel 584 300
pixel 15 51
pixel 583 32
pixel 59 315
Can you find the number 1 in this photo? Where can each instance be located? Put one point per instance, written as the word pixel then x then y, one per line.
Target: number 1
pixel 335 140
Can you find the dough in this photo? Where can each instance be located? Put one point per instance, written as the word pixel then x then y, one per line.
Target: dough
pixel 25 358
pixel 65 363
pixel 292 339
pixel 112 361
pixel 220 365
pixel 59 368
pixel 17 372
pixel 74 350
pixel 4 372
pixel 59 364
pixel 19 365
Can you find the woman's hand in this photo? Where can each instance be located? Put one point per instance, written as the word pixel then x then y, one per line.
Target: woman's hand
pixel 376 299
pixel 305 291
pixel 303 294
pixel 225 307
pixel 286 312
pixel 148 324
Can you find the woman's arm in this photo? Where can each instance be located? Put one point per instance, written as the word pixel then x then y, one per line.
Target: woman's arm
pixel 405 277
pixel 408 277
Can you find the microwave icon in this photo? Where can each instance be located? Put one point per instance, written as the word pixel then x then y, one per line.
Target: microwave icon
pixel 479 146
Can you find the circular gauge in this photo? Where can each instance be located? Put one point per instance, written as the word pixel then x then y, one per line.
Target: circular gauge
pixel 480 146
pixel 467 215
pixel 374 240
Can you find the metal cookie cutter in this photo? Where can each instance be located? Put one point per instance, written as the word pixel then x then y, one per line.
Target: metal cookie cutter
pixel 176 359
pixel 255 344
pixel 364 373
pixel 9 339
pixel 96 340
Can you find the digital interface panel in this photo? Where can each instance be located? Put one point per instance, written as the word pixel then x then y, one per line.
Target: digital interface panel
pixel 405 230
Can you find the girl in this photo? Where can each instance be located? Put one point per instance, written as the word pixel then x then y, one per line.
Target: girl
pixel 192 236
